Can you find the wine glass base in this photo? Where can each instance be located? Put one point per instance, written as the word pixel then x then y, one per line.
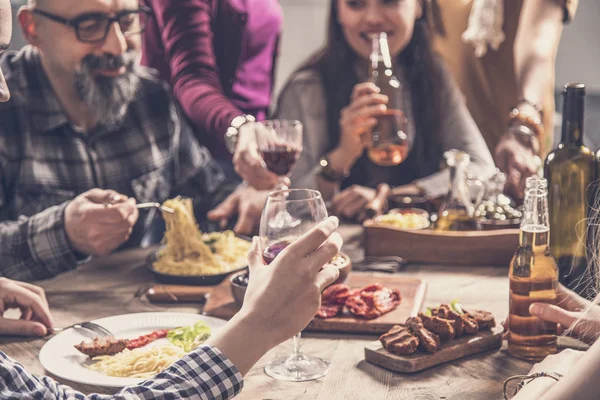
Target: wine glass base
pixel 297 368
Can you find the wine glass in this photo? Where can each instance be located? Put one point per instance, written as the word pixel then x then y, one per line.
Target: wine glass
pixel 304 208
pixel 280 144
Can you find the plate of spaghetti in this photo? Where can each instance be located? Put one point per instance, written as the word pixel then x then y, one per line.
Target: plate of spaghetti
pixel 144 345
pixel 191 257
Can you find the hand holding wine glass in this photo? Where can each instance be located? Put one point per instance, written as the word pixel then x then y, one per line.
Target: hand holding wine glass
pixel 286 219
pixel 280 144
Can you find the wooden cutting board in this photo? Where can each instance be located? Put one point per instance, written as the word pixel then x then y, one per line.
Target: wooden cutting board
pixel 450 351
pixel 220 304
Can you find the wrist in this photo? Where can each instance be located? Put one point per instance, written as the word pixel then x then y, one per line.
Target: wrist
pixel 342 160
pixel 233 132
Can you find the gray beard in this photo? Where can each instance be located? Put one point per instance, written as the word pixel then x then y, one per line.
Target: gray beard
pixel 108 98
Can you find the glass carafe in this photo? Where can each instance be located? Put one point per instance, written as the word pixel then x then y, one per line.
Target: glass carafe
pixel 457 212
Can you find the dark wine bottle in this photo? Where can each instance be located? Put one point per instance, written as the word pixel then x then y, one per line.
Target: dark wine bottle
pixel 570 170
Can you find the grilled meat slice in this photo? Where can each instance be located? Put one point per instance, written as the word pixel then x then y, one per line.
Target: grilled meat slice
pixel 404 347
pixel 399 340
pixel 329 310
pixel 440 326
pixel 102 346
pixel 470 324
pixel 428 341
pixel 485 319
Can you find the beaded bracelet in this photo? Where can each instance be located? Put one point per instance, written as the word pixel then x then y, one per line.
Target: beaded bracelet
pixel 532 123
pixel 554 375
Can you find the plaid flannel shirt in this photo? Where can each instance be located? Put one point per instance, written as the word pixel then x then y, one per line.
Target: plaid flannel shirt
pixel 45 162
pixel 204 373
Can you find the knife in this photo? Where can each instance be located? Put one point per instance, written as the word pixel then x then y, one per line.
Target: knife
pixel 177 294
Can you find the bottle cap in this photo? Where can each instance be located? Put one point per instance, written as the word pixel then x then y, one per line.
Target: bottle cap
pixel 574 89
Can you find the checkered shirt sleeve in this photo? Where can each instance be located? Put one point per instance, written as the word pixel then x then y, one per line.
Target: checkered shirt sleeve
pixel 203 374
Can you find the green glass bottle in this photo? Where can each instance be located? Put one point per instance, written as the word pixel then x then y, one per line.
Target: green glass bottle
pixel 570 171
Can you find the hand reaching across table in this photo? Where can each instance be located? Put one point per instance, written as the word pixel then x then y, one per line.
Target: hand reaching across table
pixel 30 299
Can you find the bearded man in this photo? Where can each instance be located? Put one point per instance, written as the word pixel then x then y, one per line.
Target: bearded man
pixel 87 134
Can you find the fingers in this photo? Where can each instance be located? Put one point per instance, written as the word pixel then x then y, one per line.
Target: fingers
pixel 327 276
pixel 552 313
pixel 368 100
pixel 225 210
pixel 313 239
pixel 570 300
pixel 102 196
pixel 22 327
pixel 251 167
pixel 17 296
pixel 364 88
pixel 255 258
pixel 329 249
pixel 245 223
pixel 33 288
pixel 113 213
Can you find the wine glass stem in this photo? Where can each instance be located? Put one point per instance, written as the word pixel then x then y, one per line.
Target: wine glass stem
pixel 281 184
pixel 296 344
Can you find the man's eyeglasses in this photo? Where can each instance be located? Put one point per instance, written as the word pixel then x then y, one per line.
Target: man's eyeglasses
pixel 94 27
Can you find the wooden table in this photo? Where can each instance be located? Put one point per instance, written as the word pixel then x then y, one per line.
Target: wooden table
pixel 108 286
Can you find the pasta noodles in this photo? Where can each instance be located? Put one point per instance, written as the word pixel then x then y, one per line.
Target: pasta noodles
pixel 139 363
pixel 408 221
pixel 190 252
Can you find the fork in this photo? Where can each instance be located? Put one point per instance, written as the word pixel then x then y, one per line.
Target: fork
pixel 97 329
pixel 156 205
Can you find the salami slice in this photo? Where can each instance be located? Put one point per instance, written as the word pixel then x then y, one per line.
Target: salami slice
pixel 329 310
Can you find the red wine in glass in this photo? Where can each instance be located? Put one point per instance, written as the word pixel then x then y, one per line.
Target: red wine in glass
pixel 273 250
pixel 280 159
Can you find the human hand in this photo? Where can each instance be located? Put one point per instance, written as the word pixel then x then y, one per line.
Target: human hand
pixel 516 159
pixel 559 363
pixel 350 202
pixel 359 118
pixel 30 299
pixel 248 162
pixel 98 221
pixel 287 293
pixel 245 202
pixel 577 316
pixel 281 298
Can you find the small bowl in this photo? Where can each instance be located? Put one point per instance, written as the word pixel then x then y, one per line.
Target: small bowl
pixel 238 290
pixel 404 211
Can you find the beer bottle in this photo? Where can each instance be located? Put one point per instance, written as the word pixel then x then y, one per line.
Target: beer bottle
pixel 390 140
pixel 533 278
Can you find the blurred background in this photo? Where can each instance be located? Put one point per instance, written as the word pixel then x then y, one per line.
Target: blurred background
pixel 578 54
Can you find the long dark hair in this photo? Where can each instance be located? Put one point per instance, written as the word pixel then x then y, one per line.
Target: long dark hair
pixel 335 65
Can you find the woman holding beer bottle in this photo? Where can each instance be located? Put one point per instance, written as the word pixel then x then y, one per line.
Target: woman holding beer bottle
pixel 378 106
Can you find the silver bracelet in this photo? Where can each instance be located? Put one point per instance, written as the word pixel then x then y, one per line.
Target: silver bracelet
pixel 525 379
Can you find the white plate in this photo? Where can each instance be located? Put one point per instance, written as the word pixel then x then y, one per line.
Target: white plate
pixel 61 359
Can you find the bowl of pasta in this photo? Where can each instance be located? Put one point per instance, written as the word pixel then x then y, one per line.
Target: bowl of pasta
pixel 410 219
pixel 191 257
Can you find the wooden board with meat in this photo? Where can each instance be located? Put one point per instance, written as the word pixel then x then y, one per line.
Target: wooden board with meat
pixel 432 339
pixel 412 291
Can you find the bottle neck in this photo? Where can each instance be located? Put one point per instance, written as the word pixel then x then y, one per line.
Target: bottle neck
pixel 535 210
pixel 573 116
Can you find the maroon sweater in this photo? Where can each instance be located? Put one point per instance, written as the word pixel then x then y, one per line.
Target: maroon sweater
pixel 219 57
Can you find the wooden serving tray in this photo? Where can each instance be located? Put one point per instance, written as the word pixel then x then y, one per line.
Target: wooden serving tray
pixel 495 247
pixel 220 304
pixel 449 351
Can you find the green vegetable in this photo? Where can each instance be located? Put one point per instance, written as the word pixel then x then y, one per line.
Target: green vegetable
pixel 456 307
pixel 184 337
pixel 428 312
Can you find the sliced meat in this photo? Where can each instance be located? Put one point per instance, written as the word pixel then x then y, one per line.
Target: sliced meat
pixel 359 307
pixel 329 310
pixel 444 311
pixel 428 340
pixel 143 340
pixel 336 294
pixel 386 300
pixel 444 328
pixel 396 333
pixel 406 346
pixel 485 319
pixel 470 324
pixel 399 340
pixel 102 346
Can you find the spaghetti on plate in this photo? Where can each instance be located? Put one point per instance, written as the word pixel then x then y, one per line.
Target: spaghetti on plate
pixel 138 363
pixel 189 252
